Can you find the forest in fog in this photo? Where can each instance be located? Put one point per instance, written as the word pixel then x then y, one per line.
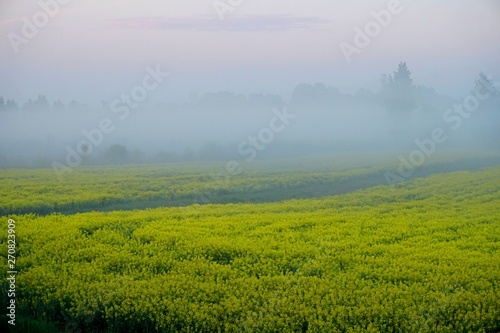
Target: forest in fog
pixel 215 126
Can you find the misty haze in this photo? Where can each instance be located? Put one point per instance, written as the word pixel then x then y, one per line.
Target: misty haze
pixel 212 126
pixel 237 166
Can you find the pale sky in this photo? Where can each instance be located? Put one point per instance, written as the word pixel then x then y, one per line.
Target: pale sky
pixel 94 50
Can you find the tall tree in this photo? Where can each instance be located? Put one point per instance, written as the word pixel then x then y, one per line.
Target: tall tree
pixel 10 104
pixel 490 96
pixel 41 103
pixel 58 106
pixel 398 89
pixel 397 92
pixel 484 83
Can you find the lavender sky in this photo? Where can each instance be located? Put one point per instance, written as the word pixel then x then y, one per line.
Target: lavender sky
pixel 94 50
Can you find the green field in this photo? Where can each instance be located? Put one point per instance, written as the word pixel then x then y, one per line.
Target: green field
pixel 286 256
pixel 112 188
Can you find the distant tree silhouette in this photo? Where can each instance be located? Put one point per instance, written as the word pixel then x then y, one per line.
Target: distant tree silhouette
pixel 398 97
pixel 489 101
pixel 11 105
pixel 28 106
pixel 484 81
pixel 75 106
pixel 485 86
pixel 41 103
pixel 117 154
pixel 222 100
pixel 58 106
pixel 398 89
pixel 265 101
pixel 317 96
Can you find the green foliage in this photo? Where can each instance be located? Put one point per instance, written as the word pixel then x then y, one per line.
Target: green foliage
pixel 139 187
pixel 423 257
